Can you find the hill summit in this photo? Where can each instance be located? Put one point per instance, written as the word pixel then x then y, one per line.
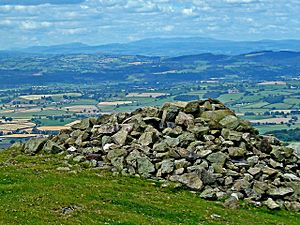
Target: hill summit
pixel 202 145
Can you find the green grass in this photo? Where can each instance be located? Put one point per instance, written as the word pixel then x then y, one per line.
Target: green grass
pixel 267 128
pixel 278 106
pixel 48 122
pixel 230 97
pixel 256 105
pixel 32 191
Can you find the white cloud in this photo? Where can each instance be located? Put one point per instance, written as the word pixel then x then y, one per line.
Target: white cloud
pixel 33 25
pixel 241 1
pixel 168 28
pixel 74 31
pixel 188 12
pixel 102 21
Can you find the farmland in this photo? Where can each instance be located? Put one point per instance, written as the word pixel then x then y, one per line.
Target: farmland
pixel 267 107
pixel 269 100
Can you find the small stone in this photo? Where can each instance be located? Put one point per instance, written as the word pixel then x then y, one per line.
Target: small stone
pixel 290 177
pixel 52 148
pixel 281 191
pixel 145 167
pixel 228 181
pixel 79 158
pixel 215 216
pixel 269 171
pixel 167 166
pixel 236 152
pixel 203 153
pixel 72 149
pixel 254 170
pixel 230 122
pixel 63 169
pixel 253 160
pixel 209 193
pixel 232 202
pixel 271 204
pixel 120 137
pixel 294 206
pixel 114 153
pixel 191 180
pixel 147 138
pixel 184 119
pixel 118 163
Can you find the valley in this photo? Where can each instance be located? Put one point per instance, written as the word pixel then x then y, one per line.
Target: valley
pixel 34 110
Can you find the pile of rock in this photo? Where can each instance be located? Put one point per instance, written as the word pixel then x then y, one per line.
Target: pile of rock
pixel 201 144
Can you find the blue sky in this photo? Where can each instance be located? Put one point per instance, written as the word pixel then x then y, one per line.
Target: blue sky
pixel 48 22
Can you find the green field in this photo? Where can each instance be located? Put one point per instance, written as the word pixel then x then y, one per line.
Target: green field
pixel 32 191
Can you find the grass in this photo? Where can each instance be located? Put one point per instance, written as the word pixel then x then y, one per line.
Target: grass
pixel 32 191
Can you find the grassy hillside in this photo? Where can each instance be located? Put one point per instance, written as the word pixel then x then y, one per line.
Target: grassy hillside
pixel 33 191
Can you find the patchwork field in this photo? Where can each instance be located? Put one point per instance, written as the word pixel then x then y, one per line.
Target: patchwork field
pixel 147 95
pixel 115 103
pixel 39 97
pixel 279 120
pixel 81 108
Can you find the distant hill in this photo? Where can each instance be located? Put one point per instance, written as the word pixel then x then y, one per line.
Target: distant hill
pixel 169 47
pixel 80 68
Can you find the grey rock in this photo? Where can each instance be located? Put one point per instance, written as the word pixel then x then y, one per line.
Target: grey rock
pixel 209 193
pixel 254 170
pixel 230 122
pixel 167 166
pixel 52 148
pixel 34 145
pixel 184 119
pixel 118 163
pixel 281 191
pixel 260 187
pixel 186 138
pixel 271 204
pixel 216 115
pixel 192 107
pixel 290 177
pixel 63 169
pixel 114 153
pixel 147 138
pixel 105 128
pixel 120 137
pixel 236 152
pixel 232 202
pixel 218 159
pixel 182 163
pixel 253 160
pixel 145 167
pixel 280 153
pixel 203 153
pixel 191 180
pixel 296 147
pixel 231 135
pixel 79 158
pixel 84 124
pixel 295 206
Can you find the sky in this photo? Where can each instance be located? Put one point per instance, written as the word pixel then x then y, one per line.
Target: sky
pixel 26 23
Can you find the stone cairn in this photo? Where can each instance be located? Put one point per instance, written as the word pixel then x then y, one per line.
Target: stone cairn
pixel 202 145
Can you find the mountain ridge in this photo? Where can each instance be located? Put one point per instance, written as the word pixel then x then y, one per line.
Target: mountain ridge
pixel 167 47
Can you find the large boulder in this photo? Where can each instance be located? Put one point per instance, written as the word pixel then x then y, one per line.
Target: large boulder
pixel 34 145
pixel 52 147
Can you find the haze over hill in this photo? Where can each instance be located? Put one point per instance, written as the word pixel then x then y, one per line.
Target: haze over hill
pixel 166 47
pixel 82 68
